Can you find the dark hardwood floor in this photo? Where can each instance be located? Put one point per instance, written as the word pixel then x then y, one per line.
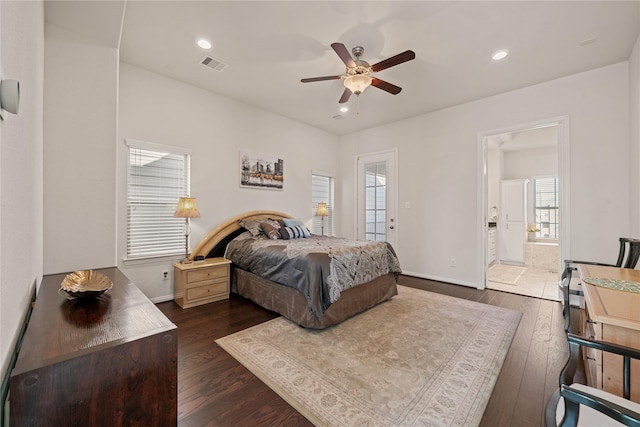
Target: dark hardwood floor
pixel 215 390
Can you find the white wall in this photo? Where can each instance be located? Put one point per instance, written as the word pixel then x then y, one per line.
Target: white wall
pixel 530 163
pixel 495 165
pixel 80 104
pixel 438 168
pixel 21 58
pixel 634 137
pixel 157 109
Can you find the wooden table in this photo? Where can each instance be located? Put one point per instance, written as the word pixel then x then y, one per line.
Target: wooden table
pixel 614 316
pixel 109 360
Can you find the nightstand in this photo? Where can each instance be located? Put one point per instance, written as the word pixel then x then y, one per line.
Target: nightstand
pixel 201 282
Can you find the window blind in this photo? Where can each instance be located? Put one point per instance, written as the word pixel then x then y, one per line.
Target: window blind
pixel 157 177
pixel 322 191
pixel 546 206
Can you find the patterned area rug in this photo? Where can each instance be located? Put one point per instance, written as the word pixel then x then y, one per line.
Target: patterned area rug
pixel 418 359
pixel 504 273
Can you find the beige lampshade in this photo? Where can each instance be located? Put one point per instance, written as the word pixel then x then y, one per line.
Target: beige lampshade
pixel 322 209
pixel 357 83
pixel 187 208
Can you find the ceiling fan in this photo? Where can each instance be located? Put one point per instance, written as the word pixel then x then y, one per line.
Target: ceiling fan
pixel 358 74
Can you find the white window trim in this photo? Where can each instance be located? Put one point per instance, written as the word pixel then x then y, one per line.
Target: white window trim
pixel 333 178
pixel 144 145
pixel 533 205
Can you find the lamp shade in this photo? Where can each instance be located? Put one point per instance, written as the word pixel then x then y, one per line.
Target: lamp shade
pixel 187 208
pixel 322 209
pixel 357 83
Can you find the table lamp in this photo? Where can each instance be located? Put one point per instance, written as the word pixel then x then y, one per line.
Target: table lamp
pixel 322 212
pixel 187 208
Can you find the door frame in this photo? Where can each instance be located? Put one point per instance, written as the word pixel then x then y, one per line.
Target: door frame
pixel 392 201
pixel 564 178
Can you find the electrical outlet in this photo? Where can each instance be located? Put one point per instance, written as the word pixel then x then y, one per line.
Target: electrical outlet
pixel 165 274
pixel 452 262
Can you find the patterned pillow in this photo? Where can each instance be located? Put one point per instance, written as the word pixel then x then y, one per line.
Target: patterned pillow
pixel 274 223
pixel 270 231
pixel 291 222
pixel 252 226
pixel 295 232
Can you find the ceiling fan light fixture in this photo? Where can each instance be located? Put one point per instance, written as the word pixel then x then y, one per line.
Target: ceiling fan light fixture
pixel 357 83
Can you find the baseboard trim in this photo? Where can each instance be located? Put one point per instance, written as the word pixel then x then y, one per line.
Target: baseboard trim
pixel 4 388
pixel 164 298
pixel 440 279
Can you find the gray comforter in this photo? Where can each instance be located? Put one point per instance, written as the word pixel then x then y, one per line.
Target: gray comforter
pixel 320 267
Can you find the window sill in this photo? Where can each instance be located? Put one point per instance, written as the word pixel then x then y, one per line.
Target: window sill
pixel 151 260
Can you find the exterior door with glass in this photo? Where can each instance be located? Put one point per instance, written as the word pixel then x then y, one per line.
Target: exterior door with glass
pixel 377 197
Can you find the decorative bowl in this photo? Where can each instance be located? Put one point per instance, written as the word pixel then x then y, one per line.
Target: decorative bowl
pixel 85 284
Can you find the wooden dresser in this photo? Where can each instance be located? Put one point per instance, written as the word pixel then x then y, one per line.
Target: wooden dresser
pixel 105 361
pixel 614 316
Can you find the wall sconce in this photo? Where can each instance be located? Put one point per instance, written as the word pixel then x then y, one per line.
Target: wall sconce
pixel 9 96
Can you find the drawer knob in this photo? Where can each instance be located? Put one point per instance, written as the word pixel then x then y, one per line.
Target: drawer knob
pixel 591 358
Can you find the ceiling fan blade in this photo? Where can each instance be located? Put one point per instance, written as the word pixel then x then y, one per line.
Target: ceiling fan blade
pixel 394 60
pixel 319 79
pixel 345 96
pixel 386 86
pixel 344 54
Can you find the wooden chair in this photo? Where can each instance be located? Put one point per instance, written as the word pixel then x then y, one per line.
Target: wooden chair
pixel 579 405
pixel 628 256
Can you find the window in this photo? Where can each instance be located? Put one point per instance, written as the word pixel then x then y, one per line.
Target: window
pixel 157 176
pixel 545 204
pixel 375 187
pixel 322 191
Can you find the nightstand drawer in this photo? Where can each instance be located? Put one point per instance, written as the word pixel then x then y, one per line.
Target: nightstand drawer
pixel 218 288
pixel 201 282
pixel 207 274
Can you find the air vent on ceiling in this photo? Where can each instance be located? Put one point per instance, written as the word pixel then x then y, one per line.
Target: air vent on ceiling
pixel 213 63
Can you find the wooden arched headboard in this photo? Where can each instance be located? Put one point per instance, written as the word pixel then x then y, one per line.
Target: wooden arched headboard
pixel 216 241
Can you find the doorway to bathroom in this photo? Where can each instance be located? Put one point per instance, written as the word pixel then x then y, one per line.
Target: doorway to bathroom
pixel 523 209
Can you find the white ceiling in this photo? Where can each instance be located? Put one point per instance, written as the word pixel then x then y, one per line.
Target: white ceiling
pixel 269 46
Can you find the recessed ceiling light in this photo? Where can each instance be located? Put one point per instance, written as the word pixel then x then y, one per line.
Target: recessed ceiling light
pixel 501 54
pixel 205 44
pixel 344 109
pixel 588 41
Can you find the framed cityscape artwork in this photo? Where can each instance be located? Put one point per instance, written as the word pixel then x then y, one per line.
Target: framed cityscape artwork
pixel 261 171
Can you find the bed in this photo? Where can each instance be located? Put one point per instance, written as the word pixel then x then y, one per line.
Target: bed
pixel 318 281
